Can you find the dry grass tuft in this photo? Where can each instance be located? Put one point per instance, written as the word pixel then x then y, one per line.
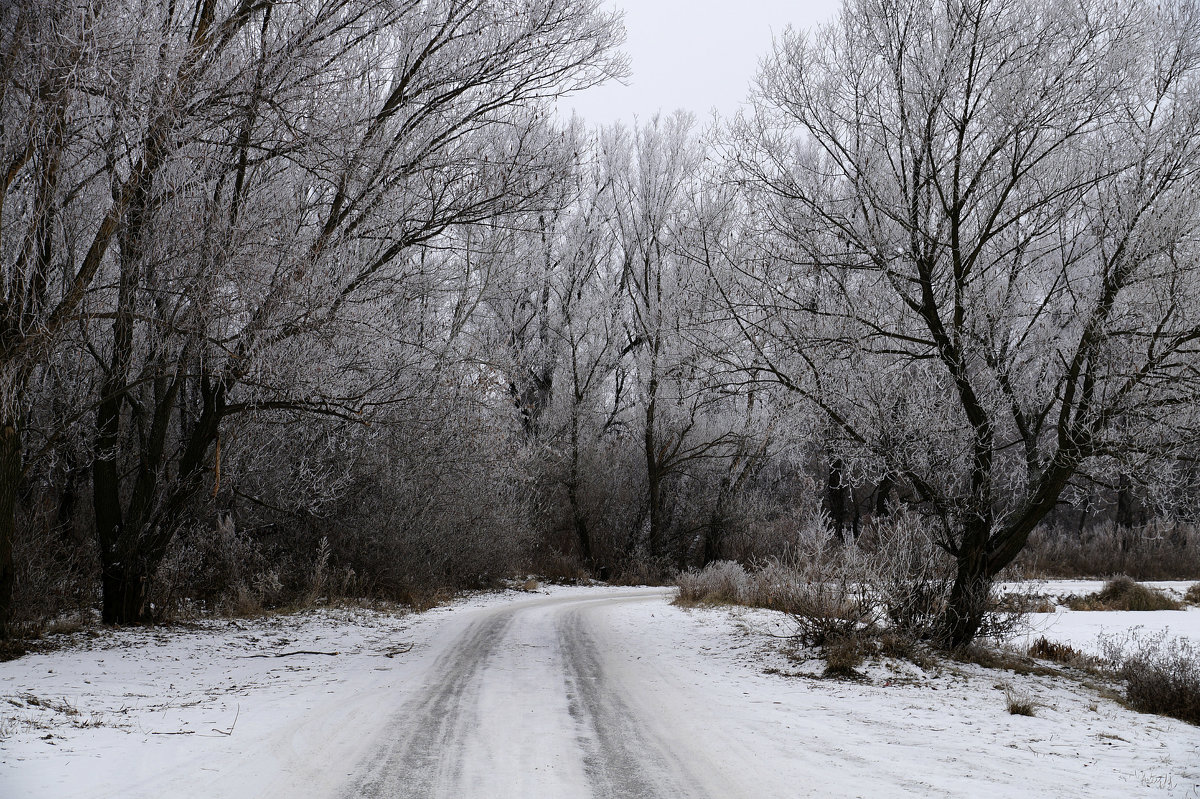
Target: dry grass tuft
pixel 843 656
pixel 1122 593
pixel 1057 652
pixel 1192 596
pixel 1019 704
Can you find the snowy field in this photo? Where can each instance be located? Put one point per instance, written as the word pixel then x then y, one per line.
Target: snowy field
pixel 562 693
pixel 1082 629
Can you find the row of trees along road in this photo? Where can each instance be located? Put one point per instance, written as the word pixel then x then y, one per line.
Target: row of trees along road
pixel 949 254
pixel 192 187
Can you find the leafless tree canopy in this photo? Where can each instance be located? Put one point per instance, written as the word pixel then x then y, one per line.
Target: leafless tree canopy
pixel 321 296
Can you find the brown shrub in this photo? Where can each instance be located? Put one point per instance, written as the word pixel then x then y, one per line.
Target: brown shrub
pixel 1161 675
pixel 720 583
pixel 895 644
pixel 843 656
pixel 559 569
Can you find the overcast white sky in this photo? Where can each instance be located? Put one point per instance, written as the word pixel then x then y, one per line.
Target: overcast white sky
pixel 693 54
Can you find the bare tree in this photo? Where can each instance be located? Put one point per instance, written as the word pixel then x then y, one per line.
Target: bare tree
pixel 673 318
pixel 981 219
pixel 256 175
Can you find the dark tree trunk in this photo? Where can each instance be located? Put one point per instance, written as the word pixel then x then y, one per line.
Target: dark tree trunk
pixel 714 535
pixel 718 520
pixel 883 496
pixel 967 603
pixel 134 537
pixel 654 543
pixel 578 522
pixel 582 537
pixel 126 594
pixel 836 499
pixel 654 475
pixel 1124 504
pixel 986 549
pixel 10 481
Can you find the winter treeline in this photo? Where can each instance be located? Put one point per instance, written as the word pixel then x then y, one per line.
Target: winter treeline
pixel 321 296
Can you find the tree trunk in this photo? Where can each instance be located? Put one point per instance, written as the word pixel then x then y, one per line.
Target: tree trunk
pixel 135 536
pixel 836 500
pixel 126 594
pixel 578 521
pixel 10 481
pixel 968 601
pixel 654 543
pixel 1124 504
pixel 713 536
pixel 883 497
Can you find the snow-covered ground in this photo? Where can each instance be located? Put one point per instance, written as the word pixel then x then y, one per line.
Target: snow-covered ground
pixel 561 693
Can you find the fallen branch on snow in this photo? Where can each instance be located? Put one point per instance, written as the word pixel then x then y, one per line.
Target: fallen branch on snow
pixel 289 654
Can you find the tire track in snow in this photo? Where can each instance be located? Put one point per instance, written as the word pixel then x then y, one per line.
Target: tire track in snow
pixel 437 732
pixel 415 765
pixel 621 759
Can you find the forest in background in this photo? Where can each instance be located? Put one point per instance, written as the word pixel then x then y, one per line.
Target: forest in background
pixel 320 298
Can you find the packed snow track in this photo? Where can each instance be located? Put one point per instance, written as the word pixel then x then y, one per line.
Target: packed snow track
pixel 535 700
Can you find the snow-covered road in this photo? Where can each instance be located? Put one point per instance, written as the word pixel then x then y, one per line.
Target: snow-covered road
pixel 540 698
pixel 568 692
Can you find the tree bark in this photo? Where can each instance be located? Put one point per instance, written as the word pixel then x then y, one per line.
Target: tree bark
pixel 654 541
pixel 836 496
pixel 578 521
pixel 10 481
pixel 125 595
pixel 967 603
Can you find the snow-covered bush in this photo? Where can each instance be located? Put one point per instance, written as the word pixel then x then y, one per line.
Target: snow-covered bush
pixel 894 581
pixel 721 582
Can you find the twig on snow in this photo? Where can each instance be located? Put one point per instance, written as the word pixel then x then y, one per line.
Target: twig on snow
pixel 237 713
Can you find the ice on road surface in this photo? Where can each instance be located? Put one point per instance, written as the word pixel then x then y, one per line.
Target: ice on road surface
pixel 570 692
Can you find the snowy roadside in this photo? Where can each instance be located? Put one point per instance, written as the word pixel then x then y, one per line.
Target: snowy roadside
pixel 166 711
pixel 945 729
pixel 194 713
pixel 117 709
